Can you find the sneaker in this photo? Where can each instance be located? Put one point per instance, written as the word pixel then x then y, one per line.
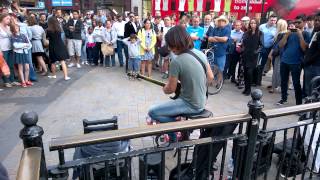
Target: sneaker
pixel 15 83
pixel 82 62
pixel 92 64
pixel 7 85
pixel 1 90
pixel 291 87
pixel 281 102
pixel 86 63
pixel 78 66
pixel 71 65
pixel 53 77
pixel 165 76
pixel 67 78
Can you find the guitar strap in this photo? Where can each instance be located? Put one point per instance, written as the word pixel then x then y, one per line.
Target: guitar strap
pixel 202 64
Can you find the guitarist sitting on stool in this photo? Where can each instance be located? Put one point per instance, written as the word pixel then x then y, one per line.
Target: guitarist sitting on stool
pixel 192 69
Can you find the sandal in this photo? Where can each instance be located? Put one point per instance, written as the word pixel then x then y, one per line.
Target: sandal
pixel 24 85
pixel 29 83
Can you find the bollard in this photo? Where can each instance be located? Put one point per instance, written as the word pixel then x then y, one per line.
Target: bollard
pixel 255 106
pixel 31 136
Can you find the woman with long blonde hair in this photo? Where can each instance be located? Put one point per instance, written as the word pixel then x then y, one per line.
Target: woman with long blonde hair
pixel 274 55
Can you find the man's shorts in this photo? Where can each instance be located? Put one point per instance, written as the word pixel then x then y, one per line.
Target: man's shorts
pixel 74 47
pixel 220 62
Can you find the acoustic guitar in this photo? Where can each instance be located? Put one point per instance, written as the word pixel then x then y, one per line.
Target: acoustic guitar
pixel 162 84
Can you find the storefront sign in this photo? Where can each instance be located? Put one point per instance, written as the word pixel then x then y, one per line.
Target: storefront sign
pixel 61 2
pixel 255 6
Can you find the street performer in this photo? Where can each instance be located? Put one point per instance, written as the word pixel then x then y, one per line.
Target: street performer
pixel 192 70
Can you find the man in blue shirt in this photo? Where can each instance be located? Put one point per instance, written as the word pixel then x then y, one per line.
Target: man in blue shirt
pixel 293 46
pixel 268 31
pixel 218 37
pixel 236 37
pixel 196 32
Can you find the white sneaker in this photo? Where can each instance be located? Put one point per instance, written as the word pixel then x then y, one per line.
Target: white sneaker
pixel 53 77
pixel 86 63
pixel 78 66
pixel 82 62
pixel 67 78
pixel 71 65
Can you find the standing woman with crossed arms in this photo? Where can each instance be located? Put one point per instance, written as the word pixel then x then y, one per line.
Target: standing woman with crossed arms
pixel 148 40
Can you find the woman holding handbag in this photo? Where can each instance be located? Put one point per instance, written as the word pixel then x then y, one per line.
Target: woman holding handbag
pixel 148 41
pixel 5 47
pixel 110 38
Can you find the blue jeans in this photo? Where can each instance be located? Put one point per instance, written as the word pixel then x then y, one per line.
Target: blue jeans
pixel 8 57
pixel 90 54
pixel 309 73
pixel 32 72
pixel 168 111
pixel 220 62
pixel 120 46
pixel 295 70
pixel 133 64
pixel 113 60
pixel 264 58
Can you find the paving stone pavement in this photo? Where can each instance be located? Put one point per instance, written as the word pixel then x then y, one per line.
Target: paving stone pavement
pixel 98 93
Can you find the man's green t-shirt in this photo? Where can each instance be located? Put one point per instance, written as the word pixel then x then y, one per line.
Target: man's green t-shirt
pixel 193 79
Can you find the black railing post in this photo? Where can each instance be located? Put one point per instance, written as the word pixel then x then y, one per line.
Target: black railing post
pixel 31 135
pixel 255 106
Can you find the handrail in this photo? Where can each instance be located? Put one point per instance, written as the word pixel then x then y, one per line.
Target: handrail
pixel 29 167
pixel 122 134
pixel 273 113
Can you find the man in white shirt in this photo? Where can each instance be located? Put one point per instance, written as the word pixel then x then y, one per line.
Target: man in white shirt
pixel 98 34
pixel 163 32
pixel 118 27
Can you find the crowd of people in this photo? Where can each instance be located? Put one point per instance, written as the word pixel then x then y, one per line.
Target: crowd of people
pixel 244 50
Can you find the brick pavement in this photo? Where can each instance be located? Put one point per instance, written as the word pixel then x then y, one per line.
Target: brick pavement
pixel 96 93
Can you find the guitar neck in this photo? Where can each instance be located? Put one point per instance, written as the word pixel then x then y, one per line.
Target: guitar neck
pixel 152 80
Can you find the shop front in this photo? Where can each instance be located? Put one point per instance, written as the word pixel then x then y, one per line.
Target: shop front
pixel 236 8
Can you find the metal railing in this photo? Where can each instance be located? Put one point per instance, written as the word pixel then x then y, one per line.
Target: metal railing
pixel 253 148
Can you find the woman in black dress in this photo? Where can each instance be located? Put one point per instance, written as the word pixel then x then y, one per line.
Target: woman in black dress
pixel 57 49
pixel 250 45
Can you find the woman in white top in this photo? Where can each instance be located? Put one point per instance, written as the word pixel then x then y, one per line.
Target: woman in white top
pixel 98 34
pixel 37 48
pixel 110 37
pixel 5 47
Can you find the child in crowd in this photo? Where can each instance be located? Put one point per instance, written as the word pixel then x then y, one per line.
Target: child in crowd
pixel 133 44
pixel 91 46
pixel 21 45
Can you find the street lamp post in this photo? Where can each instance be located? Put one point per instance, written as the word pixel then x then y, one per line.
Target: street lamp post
pixel 247 7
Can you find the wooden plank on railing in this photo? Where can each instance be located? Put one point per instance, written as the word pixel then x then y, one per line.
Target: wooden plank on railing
pixel 123 134
pixel 273 113
pixel 29 167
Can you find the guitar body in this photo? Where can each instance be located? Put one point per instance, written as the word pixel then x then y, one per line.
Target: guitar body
pixel 162 84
